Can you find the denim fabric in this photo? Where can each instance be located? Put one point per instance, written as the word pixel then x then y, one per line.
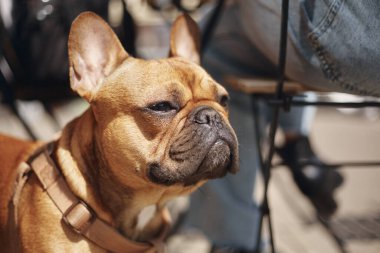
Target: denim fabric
pixel 225 209
pixel 333 44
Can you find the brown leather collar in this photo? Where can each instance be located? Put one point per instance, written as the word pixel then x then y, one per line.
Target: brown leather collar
pixel 77 214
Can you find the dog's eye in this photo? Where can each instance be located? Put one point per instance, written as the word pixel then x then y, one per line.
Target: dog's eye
pixel 163 106
pixel 224 100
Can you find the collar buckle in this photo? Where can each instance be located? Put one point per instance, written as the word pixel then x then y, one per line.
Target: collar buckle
pixel 79 217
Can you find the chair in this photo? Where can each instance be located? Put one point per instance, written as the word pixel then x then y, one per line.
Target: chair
pixel 33 51
pixel 282 94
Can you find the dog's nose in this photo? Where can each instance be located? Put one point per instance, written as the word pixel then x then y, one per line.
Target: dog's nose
pixel 206 115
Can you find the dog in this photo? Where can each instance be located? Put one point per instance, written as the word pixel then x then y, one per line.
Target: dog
pixel 154 130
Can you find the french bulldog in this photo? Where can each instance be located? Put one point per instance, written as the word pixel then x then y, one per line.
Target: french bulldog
pixel 154 130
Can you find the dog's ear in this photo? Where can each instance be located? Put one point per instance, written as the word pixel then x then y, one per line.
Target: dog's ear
pixel 94 52
pixel 185 39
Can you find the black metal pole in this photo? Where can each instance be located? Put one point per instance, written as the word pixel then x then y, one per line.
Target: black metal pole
pixel 257 121
pixel 275 116
pixel 282 50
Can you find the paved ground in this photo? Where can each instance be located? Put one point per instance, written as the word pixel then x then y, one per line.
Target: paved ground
pixel 337 138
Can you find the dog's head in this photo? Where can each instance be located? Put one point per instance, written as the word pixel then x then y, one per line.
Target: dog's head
pixel 161 122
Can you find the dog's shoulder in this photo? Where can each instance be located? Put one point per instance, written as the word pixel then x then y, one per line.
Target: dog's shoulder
pixel 12 152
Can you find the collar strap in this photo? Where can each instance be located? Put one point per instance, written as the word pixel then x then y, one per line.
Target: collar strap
pixel 81 218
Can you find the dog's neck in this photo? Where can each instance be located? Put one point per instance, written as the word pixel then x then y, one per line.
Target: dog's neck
pixel 82 163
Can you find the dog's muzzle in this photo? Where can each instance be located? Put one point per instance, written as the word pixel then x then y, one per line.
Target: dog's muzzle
pixel 205 148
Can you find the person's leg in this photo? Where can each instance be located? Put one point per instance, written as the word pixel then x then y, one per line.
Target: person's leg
pixel 332 44
pixel 257 25
pixel 312 176
pixel 225 209
pixel 304 65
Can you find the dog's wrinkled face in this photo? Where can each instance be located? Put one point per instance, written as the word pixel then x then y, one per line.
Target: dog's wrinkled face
pixel 159 121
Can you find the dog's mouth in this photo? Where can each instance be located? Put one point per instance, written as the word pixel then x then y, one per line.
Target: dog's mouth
pixel 220 158
pixel 217 163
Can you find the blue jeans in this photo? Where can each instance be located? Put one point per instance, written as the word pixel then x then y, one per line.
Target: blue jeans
pixel 331 44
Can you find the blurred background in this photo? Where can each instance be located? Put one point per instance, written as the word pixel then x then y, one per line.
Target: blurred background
pixel 36 102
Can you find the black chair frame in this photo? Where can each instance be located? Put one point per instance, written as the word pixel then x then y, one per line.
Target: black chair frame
pixel 282 101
